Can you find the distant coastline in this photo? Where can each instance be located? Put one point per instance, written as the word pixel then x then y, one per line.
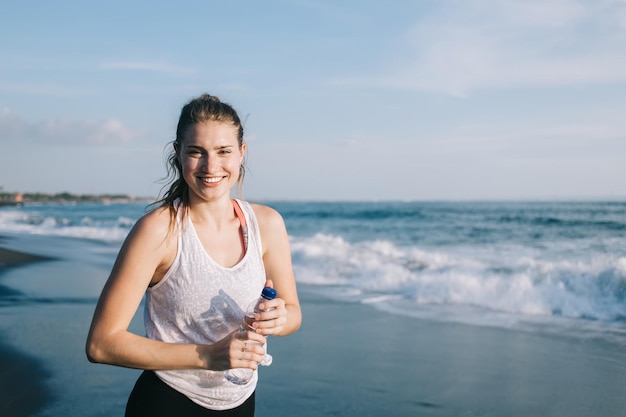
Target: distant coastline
pixel 18 199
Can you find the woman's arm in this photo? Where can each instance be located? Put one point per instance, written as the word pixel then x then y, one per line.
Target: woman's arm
pixel 287 316
pixel 146 254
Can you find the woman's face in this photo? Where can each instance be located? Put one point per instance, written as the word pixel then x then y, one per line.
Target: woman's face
pixel 210 157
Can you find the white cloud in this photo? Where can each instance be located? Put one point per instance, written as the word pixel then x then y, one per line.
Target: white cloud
pixel 467 45
pixel 64 132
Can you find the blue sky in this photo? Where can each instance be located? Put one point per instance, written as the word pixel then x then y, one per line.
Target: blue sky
pixel 343 100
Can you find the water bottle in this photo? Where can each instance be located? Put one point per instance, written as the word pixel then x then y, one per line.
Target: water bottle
pixel 241 376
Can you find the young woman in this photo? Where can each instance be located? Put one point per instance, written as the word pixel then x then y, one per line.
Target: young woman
pixel 200 258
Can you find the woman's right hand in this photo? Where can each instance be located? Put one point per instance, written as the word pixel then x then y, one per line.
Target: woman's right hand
pixel 240 349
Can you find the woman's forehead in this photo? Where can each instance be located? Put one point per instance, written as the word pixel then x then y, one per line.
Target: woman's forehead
pixel 211 131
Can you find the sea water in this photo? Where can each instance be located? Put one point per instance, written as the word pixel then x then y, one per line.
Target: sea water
pixel 488 263
pixel 533 267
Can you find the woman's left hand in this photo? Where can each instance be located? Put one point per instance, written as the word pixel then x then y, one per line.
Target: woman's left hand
pixel 272 317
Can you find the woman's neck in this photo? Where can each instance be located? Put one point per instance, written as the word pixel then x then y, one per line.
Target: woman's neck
pixel 217 213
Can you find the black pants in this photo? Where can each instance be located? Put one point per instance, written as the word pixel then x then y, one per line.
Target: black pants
pixel 153 397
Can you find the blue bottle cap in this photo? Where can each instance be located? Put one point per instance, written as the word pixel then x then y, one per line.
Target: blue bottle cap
pixel 268 293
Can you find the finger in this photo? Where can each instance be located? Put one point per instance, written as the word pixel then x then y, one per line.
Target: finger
pixel 270 328
pixel 274 306
pixel 253 351
pixel 244 363
pixel 264 324
pixel 264 316
pixel 247 352
pixel 269 283
pixel 275 303
pixel 254 346
pixel 270 318
pixel 251 336
pixel 255 355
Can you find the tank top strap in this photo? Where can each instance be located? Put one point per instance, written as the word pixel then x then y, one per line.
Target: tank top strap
pixel 242 222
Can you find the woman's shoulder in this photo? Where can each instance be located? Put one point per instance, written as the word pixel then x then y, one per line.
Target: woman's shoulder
pixel 268 218
pixel 156 224
pixel 156 216
pixel 266 213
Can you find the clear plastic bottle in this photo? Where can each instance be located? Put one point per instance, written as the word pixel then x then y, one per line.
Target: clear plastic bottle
pixel 241 376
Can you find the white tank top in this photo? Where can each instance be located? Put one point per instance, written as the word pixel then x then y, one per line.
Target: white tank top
pixel 200 301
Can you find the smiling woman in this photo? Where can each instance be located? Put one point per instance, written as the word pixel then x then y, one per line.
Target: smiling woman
pixel 201 258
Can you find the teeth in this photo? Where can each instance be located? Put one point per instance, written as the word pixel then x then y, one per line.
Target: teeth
pixel 212 179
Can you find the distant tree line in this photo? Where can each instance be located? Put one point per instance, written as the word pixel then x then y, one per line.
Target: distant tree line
pixel 64 197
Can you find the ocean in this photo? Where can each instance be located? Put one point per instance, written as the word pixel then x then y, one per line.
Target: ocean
pixel 491 263
pixel 531 268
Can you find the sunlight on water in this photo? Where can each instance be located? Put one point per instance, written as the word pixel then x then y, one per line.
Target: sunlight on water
pixel 528 259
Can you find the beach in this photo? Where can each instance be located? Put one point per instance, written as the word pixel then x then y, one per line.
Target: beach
pixel 352 360
pixel 22 378
pixel 348 359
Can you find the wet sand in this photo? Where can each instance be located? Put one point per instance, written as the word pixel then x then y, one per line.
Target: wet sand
pixel 22 378
pixel 353 360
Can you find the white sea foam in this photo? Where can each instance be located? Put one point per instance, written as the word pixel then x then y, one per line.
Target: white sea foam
pixel 30 222
pixel 379 271
pixel 506 260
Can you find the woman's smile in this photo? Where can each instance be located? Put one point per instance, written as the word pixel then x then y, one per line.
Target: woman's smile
pixel 211 180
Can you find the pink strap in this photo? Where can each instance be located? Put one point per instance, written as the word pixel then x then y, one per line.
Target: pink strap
pixel 242 221
pixel 239 213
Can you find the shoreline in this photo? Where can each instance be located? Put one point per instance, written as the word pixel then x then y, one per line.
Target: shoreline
pixel 23 389
pixel 349 358
pixel 353 359
pixel 12 258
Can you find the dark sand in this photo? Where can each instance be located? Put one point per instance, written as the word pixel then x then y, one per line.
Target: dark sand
pixel 22 383
pixel 22 378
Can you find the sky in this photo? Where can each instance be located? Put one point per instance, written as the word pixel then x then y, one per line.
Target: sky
pixel 342 100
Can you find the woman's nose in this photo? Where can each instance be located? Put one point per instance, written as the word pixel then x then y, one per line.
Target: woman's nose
pixel 209 162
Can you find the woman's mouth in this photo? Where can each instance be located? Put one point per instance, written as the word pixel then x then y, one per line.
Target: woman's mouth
pixel 211 180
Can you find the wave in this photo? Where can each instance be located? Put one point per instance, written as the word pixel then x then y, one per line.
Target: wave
pixel 95 227
pixel 559 260
pixel 510 282
pixel 613 225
